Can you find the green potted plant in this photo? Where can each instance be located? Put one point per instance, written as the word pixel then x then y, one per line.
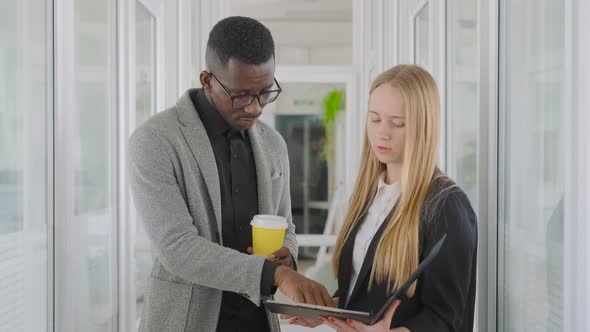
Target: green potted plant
pixel 333 103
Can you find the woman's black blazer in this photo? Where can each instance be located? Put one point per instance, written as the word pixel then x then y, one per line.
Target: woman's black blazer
pixel 445 294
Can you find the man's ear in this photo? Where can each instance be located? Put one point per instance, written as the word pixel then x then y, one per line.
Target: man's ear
pixel 205 79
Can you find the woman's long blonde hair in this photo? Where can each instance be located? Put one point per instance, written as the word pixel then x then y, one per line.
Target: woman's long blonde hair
pixel 397 254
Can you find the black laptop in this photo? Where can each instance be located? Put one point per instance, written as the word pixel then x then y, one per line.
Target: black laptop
pixel 315 311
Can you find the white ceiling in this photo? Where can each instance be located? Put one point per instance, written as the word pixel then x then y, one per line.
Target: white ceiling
pixel 294 10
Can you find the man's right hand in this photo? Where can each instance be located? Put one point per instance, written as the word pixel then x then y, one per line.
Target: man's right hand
pixel 301 289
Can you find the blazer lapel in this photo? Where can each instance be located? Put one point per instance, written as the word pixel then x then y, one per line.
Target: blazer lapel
pixel 196 137
pixel 345 265
pixel 263 169
pixel 369 256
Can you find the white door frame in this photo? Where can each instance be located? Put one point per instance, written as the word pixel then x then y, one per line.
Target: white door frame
pixel 126 58
pixel 330 74
pixel 577 185
pixel 487 278
pixel 126 117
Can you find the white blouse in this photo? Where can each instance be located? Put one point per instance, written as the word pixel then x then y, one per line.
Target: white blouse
pixel 387 195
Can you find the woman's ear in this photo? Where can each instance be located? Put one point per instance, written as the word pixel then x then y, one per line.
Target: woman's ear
pixel 205 78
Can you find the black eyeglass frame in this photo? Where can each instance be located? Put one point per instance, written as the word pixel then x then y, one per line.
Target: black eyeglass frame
pixel 250 95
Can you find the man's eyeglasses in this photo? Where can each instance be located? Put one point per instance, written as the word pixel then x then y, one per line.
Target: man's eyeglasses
pixel 241 101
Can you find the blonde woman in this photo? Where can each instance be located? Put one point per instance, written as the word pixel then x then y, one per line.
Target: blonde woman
pixel 401 205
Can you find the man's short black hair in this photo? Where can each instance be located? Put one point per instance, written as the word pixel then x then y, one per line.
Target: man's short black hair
pixel 243 38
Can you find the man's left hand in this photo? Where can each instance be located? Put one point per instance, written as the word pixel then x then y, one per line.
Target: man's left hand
pixel 281 256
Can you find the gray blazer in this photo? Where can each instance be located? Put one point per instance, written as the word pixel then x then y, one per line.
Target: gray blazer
pixel 175 188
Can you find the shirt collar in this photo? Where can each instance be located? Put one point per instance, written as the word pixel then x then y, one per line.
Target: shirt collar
pixel 214 123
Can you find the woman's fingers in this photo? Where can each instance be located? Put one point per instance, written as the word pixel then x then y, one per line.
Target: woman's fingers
pixel 338 324
pixel 359 326
pixel 391 310
pixel 302 322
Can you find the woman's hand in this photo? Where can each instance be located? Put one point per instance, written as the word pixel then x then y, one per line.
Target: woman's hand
pixel 350 325
pixel 304 321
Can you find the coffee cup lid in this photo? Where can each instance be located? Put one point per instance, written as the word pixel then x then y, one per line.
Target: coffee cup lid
pixel 269 221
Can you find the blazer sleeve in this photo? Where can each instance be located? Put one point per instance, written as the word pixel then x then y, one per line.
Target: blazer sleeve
pixel 175 240
pixel 446 282
pixel 285 207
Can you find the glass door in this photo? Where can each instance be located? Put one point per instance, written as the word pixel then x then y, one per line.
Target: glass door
pixel 86 179
pixel 531 163
pixel 26 165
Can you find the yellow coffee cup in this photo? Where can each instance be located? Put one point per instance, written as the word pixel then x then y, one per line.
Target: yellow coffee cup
pixel 268 233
